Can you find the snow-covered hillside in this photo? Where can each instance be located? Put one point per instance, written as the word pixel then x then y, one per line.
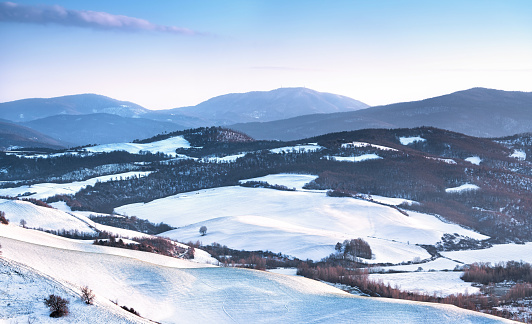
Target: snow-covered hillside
pixel 177 291
pixel 45 190
pixel 23 290
pixel 303 224
pixel 167 146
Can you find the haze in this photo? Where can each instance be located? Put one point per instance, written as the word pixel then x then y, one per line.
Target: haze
pixel 179 53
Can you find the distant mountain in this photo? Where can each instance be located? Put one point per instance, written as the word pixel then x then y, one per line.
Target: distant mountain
pixel 477 112
pixel 13 135
pixel 30 109
pixel 263 106
pixel 99 128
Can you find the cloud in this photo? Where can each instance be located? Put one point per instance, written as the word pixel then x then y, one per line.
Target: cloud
pixel 12 12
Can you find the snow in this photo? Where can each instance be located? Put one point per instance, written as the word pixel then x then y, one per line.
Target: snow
pixel 364 144
pixel 167 292
pixel 462 188
pixel 39 238
pixel 167 146
pixel 24 290
pixel 313 147
pixel 303 224
pixel 519 154
pixel 410 140
pixel 28 155
pixel 474 160
pixel 494 254
pixel 228 158
pixel 45 190
pixel 437 265
pixel 286 179
pixel 42 217
pixel 441 283
pixel 448 161
pixel 284 271
pixel 359 158
pixel 393 201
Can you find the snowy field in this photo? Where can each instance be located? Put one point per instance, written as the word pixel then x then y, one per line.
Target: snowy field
pixel 289 180
pixel 365 145
pixel 359 158
pixel 519 154
pixel 297 148
pixel 24 289
pixel 303 224
pixel 462 188
pixel 441 283
pixel 45 190
pixel 494 254
pixel 167 146
pixel 226 159
pixel 474 160
pixel 411 140
pixel 174 292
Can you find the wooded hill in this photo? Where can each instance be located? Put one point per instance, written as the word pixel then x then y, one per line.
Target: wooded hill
pixel 498 202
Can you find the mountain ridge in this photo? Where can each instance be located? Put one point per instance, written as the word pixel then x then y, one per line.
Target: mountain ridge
pixel 477 112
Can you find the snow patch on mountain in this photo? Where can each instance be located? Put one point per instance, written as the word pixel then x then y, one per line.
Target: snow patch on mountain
pixel 474 160
pixel 297 149
pixel 411 140
pixel 462 188
pixel 365 145
pixel 359 158
pixel 167 146
pixel 45 190
pixel 519 154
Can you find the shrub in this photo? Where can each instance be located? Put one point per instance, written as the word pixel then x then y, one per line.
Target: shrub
pixel 58 306
pixel 87 295
pixel 131 310
pixel 3 219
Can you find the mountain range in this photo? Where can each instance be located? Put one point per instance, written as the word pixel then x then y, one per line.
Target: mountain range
pixel 477 112
pixel 281 114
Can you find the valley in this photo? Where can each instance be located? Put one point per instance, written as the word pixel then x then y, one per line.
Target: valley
pixel 269 203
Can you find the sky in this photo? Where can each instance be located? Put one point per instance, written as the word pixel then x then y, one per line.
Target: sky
pixel 171 53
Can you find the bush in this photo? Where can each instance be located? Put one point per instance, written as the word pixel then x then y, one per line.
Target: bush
pixel 58 306
pixel 87 295
pixel 3 219
pixel 131 310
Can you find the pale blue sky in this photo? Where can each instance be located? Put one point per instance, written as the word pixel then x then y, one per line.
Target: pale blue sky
pixel 184 52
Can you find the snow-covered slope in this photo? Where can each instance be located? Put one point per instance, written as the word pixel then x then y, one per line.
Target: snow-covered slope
pixel 23 290
pixel 42 217
pixel 304 224
pixel 45 190
pixel 167 146
pixel 171 293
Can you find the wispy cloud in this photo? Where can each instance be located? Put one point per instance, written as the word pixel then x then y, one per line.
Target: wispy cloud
pixel 13 12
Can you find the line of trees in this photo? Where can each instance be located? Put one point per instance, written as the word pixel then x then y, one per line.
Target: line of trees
pixel 485 273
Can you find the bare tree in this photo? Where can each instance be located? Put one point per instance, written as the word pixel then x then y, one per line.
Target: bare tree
pixel 87 295
pixel 203 230
pixel 23 223
pixel 58 306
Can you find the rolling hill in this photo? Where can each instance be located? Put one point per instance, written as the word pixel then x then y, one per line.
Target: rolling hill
pixel 99 128
pixel 13 135
pixel 168 290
